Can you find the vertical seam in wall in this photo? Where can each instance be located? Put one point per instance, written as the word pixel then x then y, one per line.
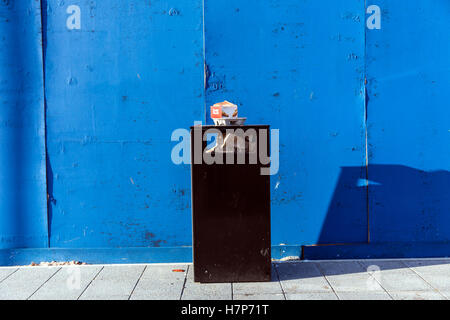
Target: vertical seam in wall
pixel 43 4
pixel 365 123
pixel 204 61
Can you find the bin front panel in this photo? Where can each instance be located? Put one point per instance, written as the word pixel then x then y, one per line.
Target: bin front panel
pixel 231 217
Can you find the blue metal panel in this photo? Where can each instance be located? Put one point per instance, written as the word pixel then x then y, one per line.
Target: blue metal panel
pixel 23 210
pixel 118 82
pixel 299 66
pixel 380 250
pixel 408 74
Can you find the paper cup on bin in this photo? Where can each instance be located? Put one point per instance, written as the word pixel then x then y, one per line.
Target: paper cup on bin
pixel 225 110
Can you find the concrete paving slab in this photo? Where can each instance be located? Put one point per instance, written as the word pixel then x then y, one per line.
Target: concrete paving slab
pixel 24 282
pixel 102 296
pixel 272 287
pixel 5 272
pixel 297 270
pixel 161 282
pixel 410 282
pixel 257 287
pixel 67 284
pixel 157 290
pixel 262 296
pixel 349 276
pixel 109 290
pixel 311 296
pixel 120 272
pixel 393 266
pixel 445 293
pixel 363 295
pixel 439 281
pixel 429 266
pixel 300 277
pixel 416 295
pixel 316 284
pixel 354 283
pixel 205 291
pixel 340 267
pixel 397 276
pixel 165 272
pixel 113 283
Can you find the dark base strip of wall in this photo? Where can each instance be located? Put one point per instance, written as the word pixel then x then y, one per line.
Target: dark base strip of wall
pixel 18 257
pixel 378 251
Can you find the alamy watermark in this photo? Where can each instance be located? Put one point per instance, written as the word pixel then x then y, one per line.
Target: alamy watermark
pixel 374 280
pixel 228 146
pixel 73 281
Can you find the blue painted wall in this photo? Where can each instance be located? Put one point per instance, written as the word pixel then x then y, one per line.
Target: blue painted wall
pixel 364 134
pixel 23 208
pixel 299 66
pixel 408 64
pixel 116 89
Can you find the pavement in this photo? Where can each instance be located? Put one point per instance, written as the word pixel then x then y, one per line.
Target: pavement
pixel 417 279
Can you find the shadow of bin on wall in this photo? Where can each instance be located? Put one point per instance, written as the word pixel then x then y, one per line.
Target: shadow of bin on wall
pixel 230 204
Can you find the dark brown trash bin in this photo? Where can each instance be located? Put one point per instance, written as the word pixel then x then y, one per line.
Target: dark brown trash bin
pixel 230 214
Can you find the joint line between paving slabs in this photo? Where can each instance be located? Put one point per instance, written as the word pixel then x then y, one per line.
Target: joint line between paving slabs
pixel 279 281
pixel 184 283
pixel 232 293
pixel 140 276
pixel 435 289
pixel 44 283
pixel 379 282
pixel 326 279
pixel 95 277
pixel 9 275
